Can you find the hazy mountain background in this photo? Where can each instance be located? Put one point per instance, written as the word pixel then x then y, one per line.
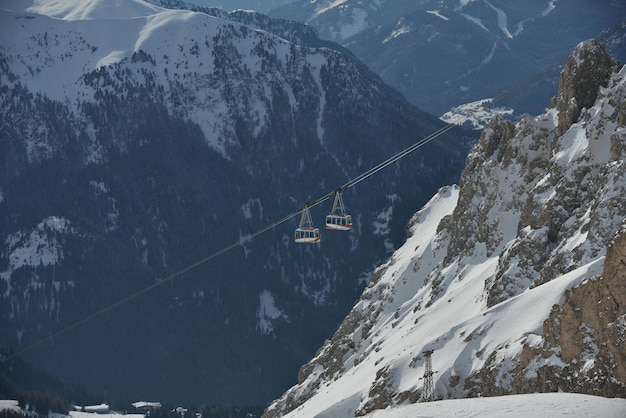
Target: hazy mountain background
pixel 442 54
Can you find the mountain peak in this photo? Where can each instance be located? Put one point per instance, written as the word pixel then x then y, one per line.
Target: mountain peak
pixel 91 9
pixel 587 69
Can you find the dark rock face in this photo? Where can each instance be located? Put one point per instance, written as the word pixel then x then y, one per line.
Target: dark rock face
pixel 587 332
pixel 586 70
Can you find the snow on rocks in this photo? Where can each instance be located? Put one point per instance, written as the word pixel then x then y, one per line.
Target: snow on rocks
pixel 538 203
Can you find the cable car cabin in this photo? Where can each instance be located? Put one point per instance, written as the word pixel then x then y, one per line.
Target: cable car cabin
pixel 339 222
pixel 307 233
pixel 338 219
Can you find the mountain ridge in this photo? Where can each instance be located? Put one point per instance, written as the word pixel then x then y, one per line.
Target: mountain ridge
pixel 442 54
pixel 482 279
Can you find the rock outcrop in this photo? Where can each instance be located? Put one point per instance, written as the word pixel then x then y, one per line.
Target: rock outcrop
pixel 586 70
pixel 587 332
pixel 514 280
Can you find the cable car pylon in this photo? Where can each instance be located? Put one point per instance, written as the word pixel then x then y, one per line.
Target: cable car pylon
pixel 338 219
pixel 306 232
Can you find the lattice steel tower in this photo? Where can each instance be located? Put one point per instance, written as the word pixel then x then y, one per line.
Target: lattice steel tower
pixel 428 394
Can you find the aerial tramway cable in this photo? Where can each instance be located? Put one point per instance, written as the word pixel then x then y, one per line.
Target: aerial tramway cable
pixel 306 207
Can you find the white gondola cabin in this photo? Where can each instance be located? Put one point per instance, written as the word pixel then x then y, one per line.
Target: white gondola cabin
pixel 338 219
pixel 306 232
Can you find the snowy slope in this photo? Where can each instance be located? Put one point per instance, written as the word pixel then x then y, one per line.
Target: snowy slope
pixel 485 263
pixel 544 405
pixel 258 5
pixel 458 327
pixel 183 40
pixel 89 10
pixel 519 406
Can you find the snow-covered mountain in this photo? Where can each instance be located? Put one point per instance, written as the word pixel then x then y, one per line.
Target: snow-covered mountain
pixel 136 140
pixel 513 280
pixel 230 5
pixel 443 54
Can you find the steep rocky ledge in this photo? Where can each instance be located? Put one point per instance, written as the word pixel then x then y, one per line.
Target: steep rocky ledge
pixel 585 71
pixel 514 279
pixel 587 333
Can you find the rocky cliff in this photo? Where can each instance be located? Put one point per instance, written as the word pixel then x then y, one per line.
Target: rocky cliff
pixel 506 279
pixel 587 333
